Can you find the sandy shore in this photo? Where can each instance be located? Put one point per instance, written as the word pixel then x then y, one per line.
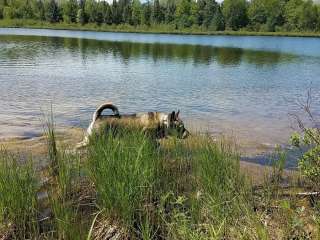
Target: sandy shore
pixel 68 137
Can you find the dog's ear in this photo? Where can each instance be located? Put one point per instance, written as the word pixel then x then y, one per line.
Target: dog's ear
pixel 172 116
pixel 177 115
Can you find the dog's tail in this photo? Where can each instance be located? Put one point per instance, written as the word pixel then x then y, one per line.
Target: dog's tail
pixel 96 115
pixel 101 108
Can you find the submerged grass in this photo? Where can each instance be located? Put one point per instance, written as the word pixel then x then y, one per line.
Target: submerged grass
pixel 127 185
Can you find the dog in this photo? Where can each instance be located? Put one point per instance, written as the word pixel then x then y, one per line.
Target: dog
pixel 162 123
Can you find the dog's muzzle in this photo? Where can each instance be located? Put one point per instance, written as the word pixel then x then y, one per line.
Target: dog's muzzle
pixel 185 134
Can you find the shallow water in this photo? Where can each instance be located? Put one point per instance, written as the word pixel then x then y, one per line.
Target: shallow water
pixel 244 85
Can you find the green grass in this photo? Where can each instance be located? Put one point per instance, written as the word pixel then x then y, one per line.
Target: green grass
pixel 18 202
pixel 129 184
pixel 123 168
pixel 171 190
pixel 161 28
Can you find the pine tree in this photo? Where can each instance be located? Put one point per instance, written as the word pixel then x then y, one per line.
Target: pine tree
pixel 209 12
pixel 108 15
pixel 70 11
pixel 146 14
pixel 116 16
pixel 90 10
pixel 217 23
pixel 156 13
pixel 52 11
pixel 170 11
pixel 136 12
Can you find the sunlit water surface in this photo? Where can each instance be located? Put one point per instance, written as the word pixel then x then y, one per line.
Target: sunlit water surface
pixel 246 86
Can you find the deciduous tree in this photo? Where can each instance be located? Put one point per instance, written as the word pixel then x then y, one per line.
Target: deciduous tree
pixel 235 13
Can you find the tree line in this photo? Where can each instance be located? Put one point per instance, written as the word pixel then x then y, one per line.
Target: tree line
pixel 254 15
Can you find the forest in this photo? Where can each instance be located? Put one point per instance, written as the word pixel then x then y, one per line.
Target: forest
pixel 210 15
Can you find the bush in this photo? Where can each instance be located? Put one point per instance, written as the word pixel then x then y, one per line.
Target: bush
pixel 309 163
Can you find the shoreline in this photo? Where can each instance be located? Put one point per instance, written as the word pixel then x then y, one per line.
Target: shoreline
pixel 163 29
pixel 252 157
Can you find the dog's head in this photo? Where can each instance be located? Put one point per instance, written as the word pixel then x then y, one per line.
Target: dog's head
pixel 175 123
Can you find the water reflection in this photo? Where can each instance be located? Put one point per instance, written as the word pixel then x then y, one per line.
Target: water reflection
pixel 126 51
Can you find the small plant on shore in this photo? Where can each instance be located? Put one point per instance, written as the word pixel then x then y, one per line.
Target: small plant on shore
pixel 308 141
pixel 309 163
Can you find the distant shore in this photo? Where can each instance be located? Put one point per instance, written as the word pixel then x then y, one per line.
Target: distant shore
pixel 158 29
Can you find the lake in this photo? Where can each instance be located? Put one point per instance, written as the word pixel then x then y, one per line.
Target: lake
pixel 246 86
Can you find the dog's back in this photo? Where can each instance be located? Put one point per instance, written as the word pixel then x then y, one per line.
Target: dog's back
pixel 156 121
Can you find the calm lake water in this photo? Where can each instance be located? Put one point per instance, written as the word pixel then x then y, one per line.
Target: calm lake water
pixel 243 85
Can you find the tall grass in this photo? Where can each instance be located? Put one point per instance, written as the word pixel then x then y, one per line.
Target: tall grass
pixel 64 199
pixel 140 187
pixel 169 190
pixel 206 196
pixel 65 171
pixel 18 199
pixel 122 165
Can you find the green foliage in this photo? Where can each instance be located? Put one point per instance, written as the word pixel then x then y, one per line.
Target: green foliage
pixel 301 15
pixel 209 12
pixel 52 11
pixel 91 10
pixel 183 13
pixel 255 15
pixel 81 17
pixel 108 14
pixel 136 12
pixel 147 13
pixel 294 223
pixel 70 11
pixel 116 13
pixel 7 13
pixel 39 10
pixel 309 163
pixel 157 14
pixel 217 23
pixel 308 16
pixel 267 13
pixel 170 11
pixel 235 13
